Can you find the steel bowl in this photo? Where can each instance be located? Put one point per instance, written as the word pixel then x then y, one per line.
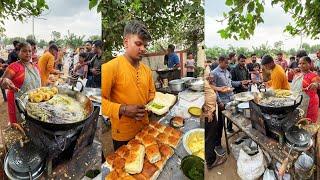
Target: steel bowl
pixel 196 85
pixel 176 85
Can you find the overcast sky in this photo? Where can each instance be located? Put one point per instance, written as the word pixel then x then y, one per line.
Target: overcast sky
pixel 271 31
pixel 63 15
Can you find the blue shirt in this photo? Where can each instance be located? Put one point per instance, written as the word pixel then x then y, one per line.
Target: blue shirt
pixel 173 60
pixel 222 77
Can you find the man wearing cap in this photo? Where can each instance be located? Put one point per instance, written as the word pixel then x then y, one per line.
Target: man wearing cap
pixel 278 78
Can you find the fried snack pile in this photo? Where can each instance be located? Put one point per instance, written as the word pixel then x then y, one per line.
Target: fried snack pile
pixel 42 94
pixel 282 93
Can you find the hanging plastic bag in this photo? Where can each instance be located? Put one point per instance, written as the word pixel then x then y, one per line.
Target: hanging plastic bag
pixel 269 175
pixel 304 166
pixel 250 167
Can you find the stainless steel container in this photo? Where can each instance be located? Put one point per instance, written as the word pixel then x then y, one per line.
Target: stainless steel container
pixel 244 109
pixel 176 85
pixel 197 85
pixel 246 113
pixel 157 85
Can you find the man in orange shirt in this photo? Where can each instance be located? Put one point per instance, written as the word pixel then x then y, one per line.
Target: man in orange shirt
pixel 278 78
pixel 46 64
pixel 127 86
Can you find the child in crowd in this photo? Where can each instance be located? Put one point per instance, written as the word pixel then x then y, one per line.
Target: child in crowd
pixel 256 76
pixel 81 68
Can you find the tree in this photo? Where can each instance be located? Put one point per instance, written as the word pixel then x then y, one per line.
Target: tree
pixel 20 39
pixel 165 19
pixel 278 45
pixel 20 10
pixel 292 52
pixel 215 52
pixel 94 37
pixel 42 43
pixel 73 40
pixel 55 35
pixel 31 37
pixel 245 15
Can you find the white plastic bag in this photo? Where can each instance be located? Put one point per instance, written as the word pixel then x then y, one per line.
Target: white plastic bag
pixel 254 88
pixel 250 167
pixel 304 162
pixel 269 175
pixel 236 147
pixel 83 81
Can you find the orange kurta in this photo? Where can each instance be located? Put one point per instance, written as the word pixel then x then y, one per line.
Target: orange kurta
pixel 278 79
pixel 124 84
pixel 46 66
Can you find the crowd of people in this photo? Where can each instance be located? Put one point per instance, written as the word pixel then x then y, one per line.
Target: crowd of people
pixel 24 70
pixel 229 75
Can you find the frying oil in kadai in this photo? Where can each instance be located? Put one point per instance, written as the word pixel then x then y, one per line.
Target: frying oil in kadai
pixel 60 109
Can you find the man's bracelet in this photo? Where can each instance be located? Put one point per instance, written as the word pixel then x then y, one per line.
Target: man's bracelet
pixel 124 109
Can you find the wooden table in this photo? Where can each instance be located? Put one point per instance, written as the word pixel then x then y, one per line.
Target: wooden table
pixel 275 149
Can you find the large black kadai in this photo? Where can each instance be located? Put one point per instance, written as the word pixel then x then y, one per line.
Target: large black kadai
pixel 48 148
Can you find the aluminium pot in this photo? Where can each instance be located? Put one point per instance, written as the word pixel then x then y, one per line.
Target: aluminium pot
pixel 176 85
pixel 196 84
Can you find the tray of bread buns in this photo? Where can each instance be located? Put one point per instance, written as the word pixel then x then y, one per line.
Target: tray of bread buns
pixel 145 156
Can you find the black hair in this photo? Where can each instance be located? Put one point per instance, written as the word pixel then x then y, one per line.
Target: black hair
pixel 98 43
pixel 171 47
pixel 292 57
pixel 222 58
pixel 241 56
pixel 189 53
pixel 90 42
pixel 266 59
pixel 51 42
pixel 256 65
pixel 307 58
pixel 15 42
pixel 84 55
pixel 53 47
pixel 31 42
pixel 231 55
pixel 254 54
pixel 23 44
pixel 137 28
pixel 280 53
pixel 301 53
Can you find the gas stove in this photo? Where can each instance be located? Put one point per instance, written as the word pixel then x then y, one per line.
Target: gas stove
pixel 47 149
pixel 272 125
pixel 24 162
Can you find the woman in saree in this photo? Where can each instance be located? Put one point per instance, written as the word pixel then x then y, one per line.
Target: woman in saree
pixel 308 83
pixel 24 75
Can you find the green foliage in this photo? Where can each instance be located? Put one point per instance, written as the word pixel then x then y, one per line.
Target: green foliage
pixel 177 21
pixel 199 71
pixel 73 40
pixel 31 37
pixel 245 15
pixel 261 50
pixel 278 45
pixel 42 43
pixel 20 10
pixel 55 35
pixel 94 37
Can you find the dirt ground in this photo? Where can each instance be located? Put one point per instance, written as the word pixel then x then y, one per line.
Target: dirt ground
pixel 226 171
